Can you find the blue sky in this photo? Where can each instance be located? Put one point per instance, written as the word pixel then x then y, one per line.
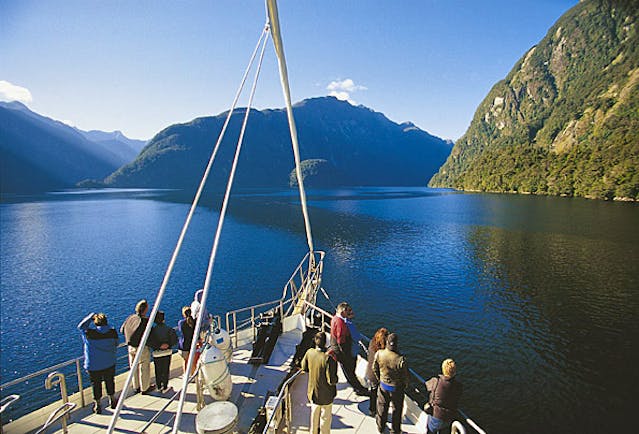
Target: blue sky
pixel 140 66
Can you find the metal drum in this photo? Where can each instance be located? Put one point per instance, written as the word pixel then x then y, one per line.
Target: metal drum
pixel 217 418
pixel 215 370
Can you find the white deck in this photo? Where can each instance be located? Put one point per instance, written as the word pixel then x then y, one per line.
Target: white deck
pixel 251 385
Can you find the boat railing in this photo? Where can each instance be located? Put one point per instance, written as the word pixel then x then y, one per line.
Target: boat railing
pixel 274 408
pixel 5 403
pixel 319 317
pixel 60 413
pixel 307 275
pixel 75 380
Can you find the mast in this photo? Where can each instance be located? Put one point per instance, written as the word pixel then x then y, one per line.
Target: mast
pixel 276 35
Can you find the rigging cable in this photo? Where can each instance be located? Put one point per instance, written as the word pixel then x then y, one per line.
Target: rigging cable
pixel 220 223
pixel 160 295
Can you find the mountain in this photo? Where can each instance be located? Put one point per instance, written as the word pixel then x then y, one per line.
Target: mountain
pixel 126 149
pixel 565 121
pixel 356 146
pixel 42 154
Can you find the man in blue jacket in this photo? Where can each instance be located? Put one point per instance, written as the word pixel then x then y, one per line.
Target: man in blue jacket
pixel 100 345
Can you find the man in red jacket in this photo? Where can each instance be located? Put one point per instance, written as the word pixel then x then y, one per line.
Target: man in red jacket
pixel 341 346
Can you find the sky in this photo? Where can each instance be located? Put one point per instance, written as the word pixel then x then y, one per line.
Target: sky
pixel 140 66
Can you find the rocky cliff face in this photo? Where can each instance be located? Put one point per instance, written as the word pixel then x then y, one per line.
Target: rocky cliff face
pixel 565 120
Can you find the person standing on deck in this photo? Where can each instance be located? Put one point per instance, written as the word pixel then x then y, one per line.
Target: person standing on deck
pixel 342 346
pixel 100 346
pixel 445 392
pixel 162 339
pixel 391 370
pixel 133 329
pixel 377 343
pixel 322 371
pixel 196 305
pixel 186 330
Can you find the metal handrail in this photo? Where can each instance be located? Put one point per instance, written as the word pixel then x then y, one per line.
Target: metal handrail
pixel 59 413
pixel 304 276
pixel 457 428
pixel 46 370
pixel 7 401
pixel 280 397
pixel 51 369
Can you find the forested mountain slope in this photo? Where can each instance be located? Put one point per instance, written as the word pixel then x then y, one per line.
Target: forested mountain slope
pixel 341 145
pixel 565 121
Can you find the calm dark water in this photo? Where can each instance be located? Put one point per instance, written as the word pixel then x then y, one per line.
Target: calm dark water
pixel 536 298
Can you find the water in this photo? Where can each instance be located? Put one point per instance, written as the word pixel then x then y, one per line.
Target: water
pixel 537 299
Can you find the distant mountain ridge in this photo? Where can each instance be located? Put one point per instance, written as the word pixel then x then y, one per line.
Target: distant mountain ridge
pixel 42 154
pixel 357 146
pixel 565 121
pixel 125 148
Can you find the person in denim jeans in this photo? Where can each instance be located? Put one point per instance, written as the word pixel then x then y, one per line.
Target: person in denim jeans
pixel 445 392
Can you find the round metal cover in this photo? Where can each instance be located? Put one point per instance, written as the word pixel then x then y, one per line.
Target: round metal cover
pixel 217 418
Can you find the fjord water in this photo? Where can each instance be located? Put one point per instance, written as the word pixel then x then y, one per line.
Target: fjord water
pixel 536 298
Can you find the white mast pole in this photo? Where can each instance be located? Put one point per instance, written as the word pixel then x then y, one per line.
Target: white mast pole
pixel 276 35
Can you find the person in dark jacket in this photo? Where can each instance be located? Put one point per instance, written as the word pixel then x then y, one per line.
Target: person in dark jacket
pixel 133 329
pixel 377 343
pixel 391 371
pixel 162 339
pixel 322 372
pixel 100 346
pixel 342 345
pixel 445 392
pixel 186 329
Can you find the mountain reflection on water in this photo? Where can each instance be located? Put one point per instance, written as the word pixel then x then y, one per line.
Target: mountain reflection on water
pixel 536 298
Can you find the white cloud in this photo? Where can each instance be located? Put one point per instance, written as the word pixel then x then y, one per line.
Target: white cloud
pixel 342 89
pixel 340 95
pixel 347 85
pixel 10 92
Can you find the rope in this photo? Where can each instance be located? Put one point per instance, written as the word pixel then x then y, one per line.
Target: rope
pixel 279 49
pixel 328 298
pixel 160 295
pixel 209 272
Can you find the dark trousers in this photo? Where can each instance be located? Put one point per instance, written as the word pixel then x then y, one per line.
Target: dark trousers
pixel 348 367
pixel 372 405
pixel 97 377
pixel 162 371
pixel 384 398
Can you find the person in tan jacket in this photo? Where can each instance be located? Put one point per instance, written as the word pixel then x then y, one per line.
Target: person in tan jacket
pixel 322 372
pixel 391 370
pixel 133 329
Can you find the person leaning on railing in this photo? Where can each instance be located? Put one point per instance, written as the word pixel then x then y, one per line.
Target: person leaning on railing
pixel 445 392
pixel 377 343
pixel 391 370
pixel 100 346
